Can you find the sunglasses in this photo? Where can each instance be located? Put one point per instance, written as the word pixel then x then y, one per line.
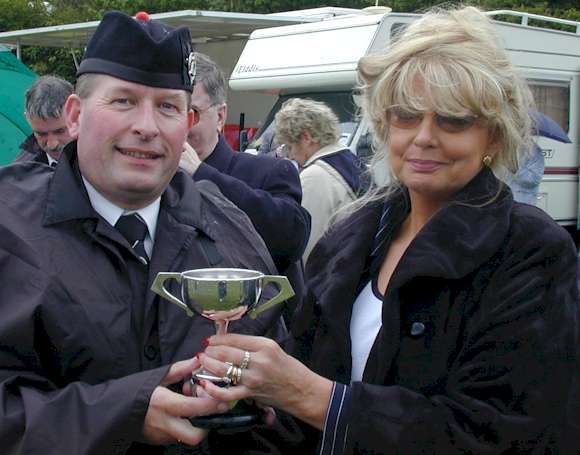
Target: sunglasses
pixel 407 119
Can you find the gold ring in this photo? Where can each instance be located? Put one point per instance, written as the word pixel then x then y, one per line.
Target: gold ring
pixel 245 360
pixel 238 377
pixel 235 375
pixel 229 377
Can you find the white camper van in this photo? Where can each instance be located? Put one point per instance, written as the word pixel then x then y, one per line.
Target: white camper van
pixel 318 61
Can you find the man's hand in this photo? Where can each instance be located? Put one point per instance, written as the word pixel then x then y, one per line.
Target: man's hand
pixel 166 419
pixel 189 161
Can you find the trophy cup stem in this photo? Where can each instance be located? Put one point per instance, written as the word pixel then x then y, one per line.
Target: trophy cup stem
pixel 221 327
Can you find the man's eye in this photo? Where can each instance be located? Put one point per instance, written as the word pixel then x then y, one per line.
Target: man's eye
pixel 121 101
pixel 168 106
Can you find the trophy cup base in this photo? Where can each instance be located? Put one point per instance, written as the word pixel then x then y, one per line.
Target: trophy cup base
pixel 243 415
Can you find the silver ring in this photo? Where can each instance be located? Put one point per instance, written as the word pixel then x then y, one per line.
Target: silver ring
pixel 245 360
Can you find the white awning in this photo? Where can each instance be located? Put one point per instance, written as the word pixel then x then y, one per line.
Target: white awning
pixel 204 26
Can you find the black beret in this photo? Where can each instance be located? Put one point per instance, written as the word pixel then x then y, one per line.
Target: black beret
pixel 146 51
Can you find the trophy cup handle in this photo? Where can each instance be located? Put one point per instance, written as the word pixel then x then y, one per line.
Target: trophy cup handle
pixel 285 293
pixel 159 289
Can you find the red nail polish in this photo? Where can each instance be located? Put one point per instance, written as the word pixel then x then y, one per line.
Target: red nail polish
pixel 205 341
pixel 198 354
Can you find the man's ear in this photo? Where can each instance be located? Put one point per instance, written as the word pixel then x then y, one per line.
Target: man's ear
pixel 222 112
pixel 72 112
pixel 192 118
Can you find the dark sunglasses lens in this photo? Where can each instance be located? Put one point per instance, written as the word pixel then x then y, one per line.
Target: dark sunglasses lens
pixel 455 124
pixel 402 118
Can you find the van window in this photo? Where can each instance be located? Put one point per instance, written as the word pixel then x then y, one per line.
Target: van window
pixel 553 99
pixel 340 102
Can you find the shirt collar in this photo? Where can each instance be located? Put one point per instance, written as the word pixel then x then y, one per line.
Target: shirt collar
pixel 112 212
pixel 50 159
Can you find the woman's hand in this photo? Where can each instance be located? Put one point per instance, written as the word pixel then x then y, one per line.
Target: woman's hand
pixel 271 377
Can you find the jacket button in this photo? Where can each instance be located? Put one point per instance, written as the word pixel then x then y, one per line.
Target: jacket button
pixel 150 352
pixel 417 329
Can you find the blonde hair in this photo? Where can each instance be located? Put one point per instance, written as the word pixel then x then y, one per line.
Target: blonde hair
pixel 299 115
pixel 459 58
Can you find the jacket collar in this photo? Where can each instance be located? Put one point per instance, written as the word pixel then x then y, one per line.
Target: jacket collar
pixel 221 156
pixel 456 241
pixel 327 150
pixel 462 235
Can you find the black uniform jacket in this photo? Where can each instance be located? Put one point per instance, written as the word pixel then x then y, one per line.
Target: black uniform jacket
pixel 31 151
pixel 83 341
pixel 478 346
pixel 268 190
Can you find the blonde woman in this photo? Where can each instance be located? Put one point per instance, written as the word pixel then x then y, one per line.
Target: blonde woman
pixel 442 316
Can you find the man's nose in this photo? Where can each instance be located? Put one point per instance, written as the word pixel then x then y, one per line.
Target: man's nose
pixel 145 122
pixel 52 142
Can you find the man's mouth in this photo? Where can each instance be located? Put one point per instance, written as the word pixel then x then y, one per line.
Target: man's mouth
pixel 140 154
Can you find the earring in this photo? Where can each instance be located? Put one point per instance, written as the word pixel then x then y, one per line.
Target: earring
pixel 487 160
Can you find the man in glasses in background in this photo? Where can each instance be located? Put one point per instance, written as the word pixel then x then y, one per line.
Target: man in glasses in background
pixel 267 189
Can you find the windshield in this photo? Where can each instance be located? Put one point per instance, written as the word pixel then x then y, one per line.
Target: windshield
pixel 340 102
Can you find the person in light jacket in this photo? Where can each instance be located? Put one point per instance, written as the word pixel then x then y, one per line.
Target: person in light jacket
pixel 330 173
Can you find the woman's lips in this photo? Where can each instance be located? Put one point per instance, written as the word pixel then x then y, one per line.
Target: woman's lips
pixel 425 165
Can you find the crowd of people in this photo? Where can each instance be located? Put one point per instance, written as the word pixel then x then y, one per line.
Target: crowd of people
pixel 434 313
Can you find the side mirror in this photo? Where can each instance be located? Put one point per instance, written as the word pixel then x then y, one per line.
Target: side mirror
pixel 243 140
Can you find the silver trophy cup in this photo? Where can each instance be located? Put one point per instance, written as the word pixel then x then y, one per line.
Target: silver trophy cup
pixel 222 295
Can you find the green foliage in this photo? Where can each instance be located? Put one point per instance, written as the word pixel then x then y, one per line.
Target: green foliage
pixel 22 14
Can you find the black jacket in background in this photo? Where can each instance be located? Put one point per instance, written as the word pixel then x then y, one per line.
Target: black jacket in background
pixel 31 151
pixel 268 190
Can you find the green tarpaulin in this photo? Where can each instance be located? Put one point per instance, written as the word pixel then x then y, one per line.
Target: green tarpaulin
pixel 15 79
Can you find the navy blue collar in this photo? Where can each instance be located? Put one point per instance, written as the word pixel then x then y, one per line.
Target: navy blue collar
pixel 221 156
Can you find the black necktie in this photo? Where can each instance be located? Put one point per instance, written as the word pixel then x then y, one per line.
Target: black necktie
pixel 134 230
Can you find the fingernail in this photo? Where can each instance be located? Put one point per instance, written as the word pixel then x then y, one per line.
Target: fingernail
pixel 203 383
pixel 205 341
pixel 197 356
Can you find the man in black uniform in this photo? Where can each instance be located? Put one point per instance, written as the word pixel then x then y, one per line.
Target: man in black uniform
pixel 87 351
pixel 44 111
pixel 267 189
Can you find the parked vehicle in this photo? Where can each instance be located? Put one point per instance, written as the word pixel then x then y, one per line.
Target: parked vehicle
pixel 318 61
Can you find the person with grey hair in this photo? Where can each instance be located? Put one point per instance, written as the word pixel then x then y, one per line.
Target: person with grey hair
pixel 442 316
pixel 44 104
pixel 330 174
pixel 267 189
